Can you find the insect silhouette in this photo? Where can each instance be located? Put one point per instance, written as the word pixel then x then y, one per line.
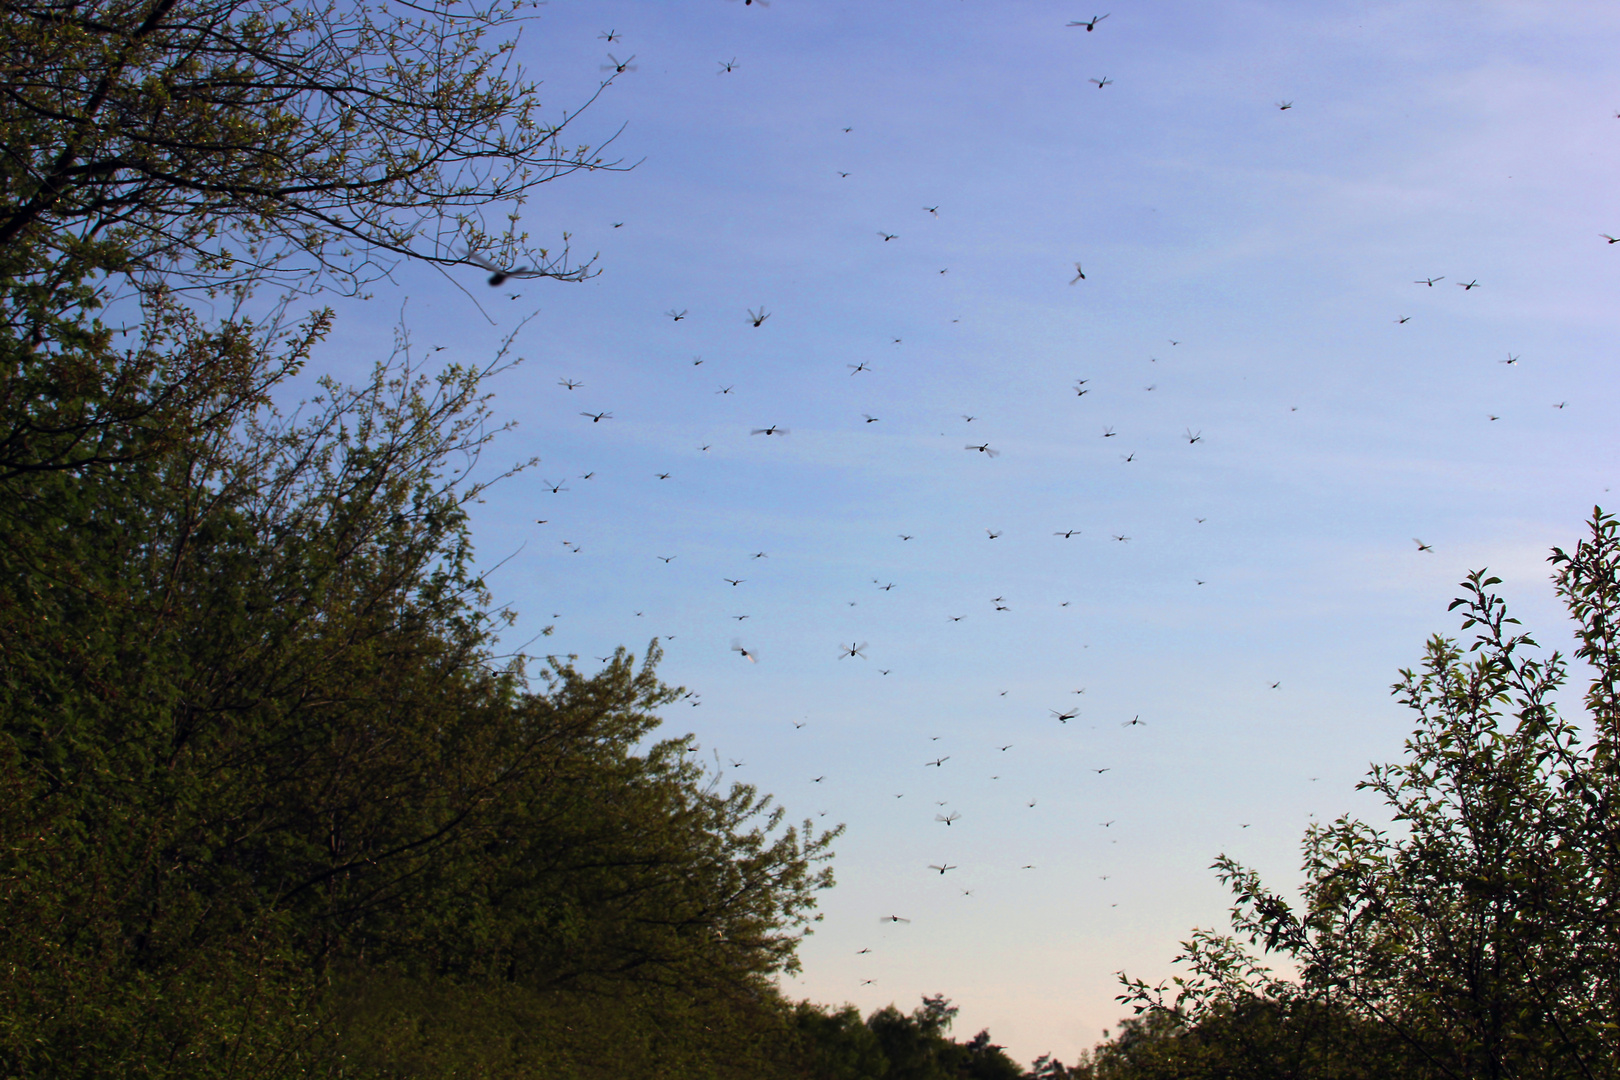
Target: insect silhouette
pixel 1064 717
pixel 856 369
pixel 993 533
pixel 737 647
pixel 1421 546
pixel 1466 285
pixel 597 418
pixel 1102 82
pixel 1128 458
pixel 1403 321
pixel 1510 361
pixel 1079 274
pixel 1285 105
pixel 984 448
pixel 843 174
pixel 619 67
pixel 941 869
pixel 662 475
pixel 932 210
pixel 904 536
pixel 772 430
pixel 609 36
pixel 937 762
pixel 946 818
pixel 1135 721
pixel 968 418
pixel 1089 24
pixel 869 418
pixel 668 558
pixel 887 236
pixel 569 384
pixel 758 317
pixel 725 389
pixel 497 275
pixel 1080 389
pixel 893 918
pixel 727 65
pixel 846 651
pixel 1560 404
pixel 759 555
pixel 1194 436
pixel 553 488
pixel 1108 433
pixel 676 315
pixel 1099 772
pixel 1068 534
pixel 1122 538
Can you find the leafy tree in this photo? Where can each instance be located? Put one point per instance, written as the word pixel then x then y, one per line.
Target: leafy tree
pixel 1482 936
pixel 212 141
pixel 148 147
pixel 896 1046
pixel 267 752
pixel 838 1044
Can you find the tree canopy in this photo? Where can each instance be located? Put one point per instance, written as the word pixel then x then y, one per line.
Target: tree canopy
pixel 1478 935
pixel 282 802
pixel 218 143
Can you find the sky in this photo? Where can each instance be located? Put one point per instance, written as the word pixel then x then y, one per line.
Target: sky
pixel 1219 539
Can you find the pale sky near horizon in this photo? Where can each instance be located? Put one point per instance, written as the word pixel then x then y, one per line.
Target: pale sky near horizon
pixel 1247 272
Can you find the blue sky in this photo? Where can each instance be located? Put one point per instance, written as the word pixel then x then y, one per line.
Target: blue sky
pixel 1246 270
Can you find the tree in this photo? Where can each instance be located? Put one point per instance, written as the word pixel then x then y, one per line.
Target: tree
pixel 282 803
pixel 251 706
pixel 1482 934
pixel 210 141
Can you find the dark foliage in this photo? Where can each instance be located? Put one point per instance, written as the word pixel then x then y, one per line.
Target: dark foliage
pixel 1481 936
